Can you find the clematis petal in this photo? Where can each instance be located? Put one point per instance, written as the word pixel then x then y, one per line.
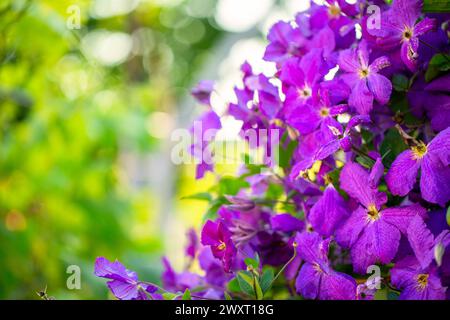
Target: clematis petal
pixel 424 26
pixel 408 53
pixel 361 98
pixel 286 223
pixel 337 286
pixel 113 270
pixel 402 174
pixel 355 181
pixel 328 212
pixel 308 281
pixel 209 234
pixel 378 243
pixel 348 61
pixel 381 87
pixel 435 181
pixel 421 240
pixel 348 233
pixel 311 247
pixel 401 217
pixel 125 291
pixel 376 173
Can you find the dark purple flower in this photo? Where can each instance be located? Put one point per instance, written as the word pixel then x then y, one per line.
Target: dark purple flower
pixel 217 236
pixel 316 279
pixel 433 160
pixel 364 78
pixel 399 28
pixel 124 284
pixel 372 234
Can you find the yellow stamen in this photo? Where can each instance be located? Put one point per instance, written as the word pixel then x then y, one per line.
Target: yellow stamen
pixel 363 73
pixel 222 246
pixel 422 281
pixel 334 11
pixel 419 151
pixel 324 112
pixel 304 92
pixel 372 213
pixel 407 34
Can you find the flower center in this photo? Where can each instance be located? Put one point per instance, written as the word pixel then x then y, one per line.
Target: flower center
pixel 372 213
pixel 407 34
pixel 334 11
pixel 363 73
pixel 419 151
pixel 422 281
pixel 304 92
pixel 324 112
pixel 222 246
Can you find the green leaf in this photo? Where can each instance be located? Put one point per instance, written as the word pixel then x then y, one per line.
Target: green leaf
pixel 436 6
pixel 187 295
pixel 205 196
pixel 266 279
pixel 400 82
pixel 392 146
pixel 258 291
pixel 170 296
pixel 227 296
pixel 233 285
pixel 245 280
pixel 448 216
pixel 252 262
pixel 439 64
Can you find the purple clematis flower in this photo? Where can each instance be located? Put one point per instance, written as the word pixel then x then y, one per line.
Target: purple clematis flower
pixel 193 244
pixel 202 92
pixel 308 117
pixel 399 28
pixel 286 223
pixel 203 131
pixel 316 279
pixel 300 79
pixel 372 234
pixel 433 160
pixel 328 212
pixel 124 284
pixel 218 237
pixel 285 42
pixel 416 283
pixel 364 78
pixel 418 276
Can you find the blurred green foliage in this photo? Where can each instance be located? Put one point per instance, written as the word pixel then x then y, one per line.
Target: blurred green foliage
pixel 64 120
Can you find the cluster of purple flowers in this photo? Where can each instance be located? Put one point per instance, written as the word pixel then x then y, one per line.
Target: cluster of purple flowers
pixel 364 112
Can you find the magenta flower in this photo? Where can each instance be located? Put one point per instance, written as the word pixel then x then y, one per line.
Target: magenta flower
pixel 124 284
pixel 316 279
pixel 399 28
pixel 364 78
pixel 217 236
pixel 433 160
pixel 371 233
